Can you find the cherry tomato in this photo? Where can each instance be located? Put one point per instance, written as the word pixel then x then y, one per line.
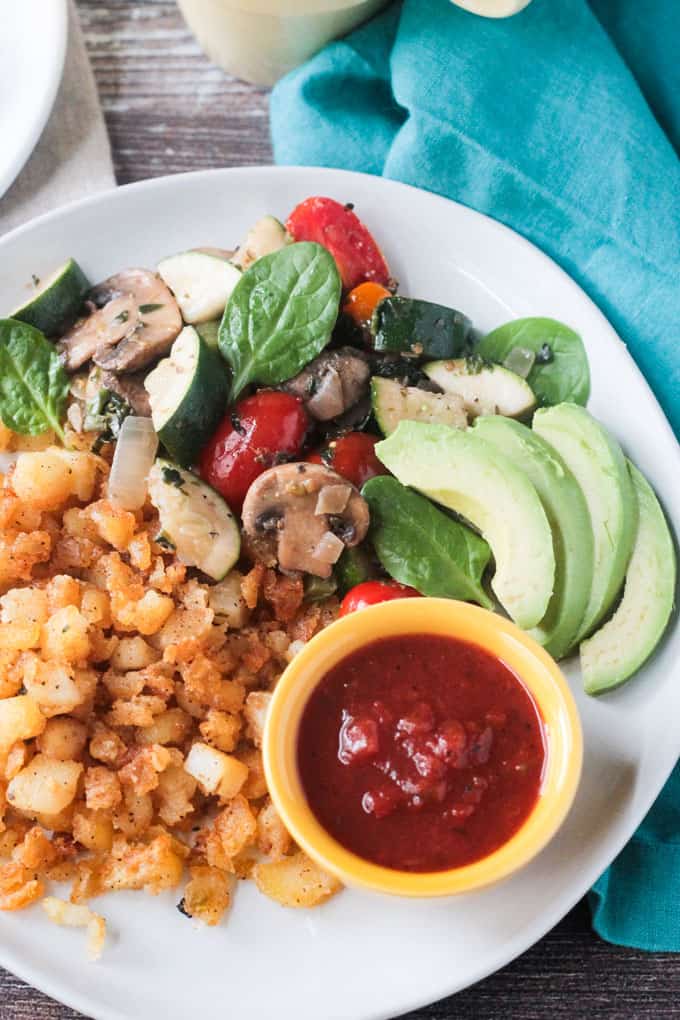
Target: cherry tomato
pixel 340 230
pixel 369 593
pixel 249 440
pixel 361 302
pixel 352 456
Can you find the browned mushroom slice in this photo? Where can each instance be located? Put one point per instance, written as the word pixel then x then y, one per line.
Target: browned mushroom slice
pixel 135 323
pixel 331 383
pixel 286 506
pixel 130 388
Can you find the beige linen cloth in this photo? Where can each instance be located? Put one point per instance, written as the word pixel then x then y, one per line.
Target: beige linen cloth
pixel 73 157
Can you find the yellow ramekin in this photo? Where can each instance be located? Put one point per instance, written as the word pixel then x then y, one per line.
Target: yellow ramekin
pixel 538 671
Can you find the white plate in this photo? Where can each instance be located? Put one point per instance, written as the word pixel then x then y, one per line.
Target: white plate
pixel 363 956
pixel 32 51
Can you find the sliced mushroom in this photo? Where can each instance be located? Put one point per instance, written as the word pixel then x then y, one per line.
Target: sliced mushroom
pixel 281 512
pixel 135 322
pixel 130 388
pixel 331 383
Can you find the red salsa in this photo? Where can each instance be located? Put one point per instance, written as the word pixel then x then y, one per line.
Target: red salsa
pixel 421 752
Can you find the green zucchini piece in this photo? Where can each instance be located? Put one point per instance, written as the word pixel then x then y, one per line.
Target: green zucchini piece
pixel 57 300
pixel 393 403
pixel 209 331
pixel 188 392
pixel 201 282
pixel 194 520
pixel 268 235
pixel 410 326
pixel 483 388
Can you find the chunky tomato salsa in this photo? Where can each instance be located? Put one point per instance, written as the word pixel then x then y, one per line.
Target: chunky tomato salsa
pixel 421 752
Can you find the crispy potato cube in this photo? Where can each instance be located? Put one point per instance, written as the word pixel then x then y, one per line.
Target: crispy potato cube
pixel 96 607
pixel 255 712
pixel 102 788
pixel 133 653
pixel 63 590
pixel 256 785
pixel 227 601
pixel 142 772
pixel 221 729
pixel 147 614
pixel 134 816
pixel 114 526
pixel 273 838
pixel 20 719
pixel 295 881
pixel 43 479
pixel 71 915
pixel 57 687
pixel 84 467
pixel 63 739
pixel 45 786
pixel 64 636
pixel 234 829
pixel 17 757
pixel 21 605
pixel 152 866
pixel 93 829
pixel 105 744
pixel 174 794
pixel 18 886
pixel 35 851
pixel 215 771
pixel 207 895
pixel 170 727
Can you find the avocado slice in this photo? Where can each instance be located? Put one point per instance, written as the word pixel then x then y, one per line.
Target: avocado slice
pixel 463 472
pixel 567 512
pixel 597 462
pixel 621 646
pixel 484 388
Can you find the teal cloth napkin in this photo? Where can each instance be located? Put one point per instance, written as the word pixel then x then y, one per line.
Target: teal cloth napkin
pixel 564 123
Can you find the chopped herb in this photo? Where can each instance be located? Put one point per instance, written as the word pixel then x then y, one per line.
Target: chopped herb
pixel 36 280
pixel 105 414
pixel 349 206
pixel 327 455
pixel 147 309
pixel 122 316
pixel 182 908
pixel 171 476
pixel 545 355
pixel 238 425
pixel 475 363
pixel 165 543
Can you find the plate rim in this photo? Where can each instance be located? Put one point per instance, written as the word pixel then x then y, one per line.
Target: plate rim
pixel 44 108
pixel 547 919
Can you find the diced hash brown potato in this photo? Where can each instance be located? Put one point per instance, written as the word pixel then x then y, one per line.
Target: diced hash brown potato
pixel 72 915
pixel 133 697
pixel 295 881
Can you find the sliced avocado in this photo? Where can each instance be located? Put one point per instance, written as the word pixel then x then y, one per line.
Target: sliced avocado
pixel 567 512
pixel 56 302
pixel 618 649
pixel 484 388
pixel 268 235
pixel 393 403
pixel 597 462
pixel 188 392
pixel 463 472
pixel 415 327
pixel 202 283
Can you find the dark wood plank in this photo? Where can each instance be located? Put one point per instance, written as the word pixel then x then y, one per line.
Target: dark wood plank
pixel 168 110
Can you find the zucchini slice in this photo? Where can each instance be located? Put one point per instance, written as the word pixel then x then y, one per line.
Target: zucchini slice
pixel 268 235
pixel 201 282
pixel 194 520
pixel 188 393
pixel 393 403
pixel 485 388
pixel 57 300
pixel 409 326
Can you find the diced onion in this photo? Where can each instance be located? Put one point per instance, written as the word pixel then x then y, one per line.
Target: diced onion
pixel 329 548
pixel 135 452
pixel 520 360
pixel 333 499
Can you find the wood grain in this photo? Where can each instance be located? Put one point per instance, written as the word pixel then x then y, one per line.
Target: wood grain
pixel 168 110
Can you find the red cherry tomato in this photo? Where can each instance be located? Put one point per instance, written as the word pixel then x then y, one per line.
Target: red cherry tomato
pixel 352 456
pixel 340 230
pixel 371 592
pixel 248 440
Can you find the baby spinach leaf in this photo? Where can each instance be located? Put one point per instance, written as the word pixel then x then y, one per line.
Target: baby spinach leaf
pixel 280 314
pixel 560 371
pixel 420 545
pixel 33 384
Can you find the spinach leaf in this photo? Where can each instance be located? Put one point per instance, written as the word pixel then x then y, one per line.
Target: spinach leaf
pixel 560 371
pixel 105 414
pixel 420 545
pixel 280 314
pixel 33 384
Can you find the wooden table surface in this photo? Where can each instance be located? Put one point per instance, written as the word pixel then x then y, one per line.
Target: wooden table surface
pixel 168 110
